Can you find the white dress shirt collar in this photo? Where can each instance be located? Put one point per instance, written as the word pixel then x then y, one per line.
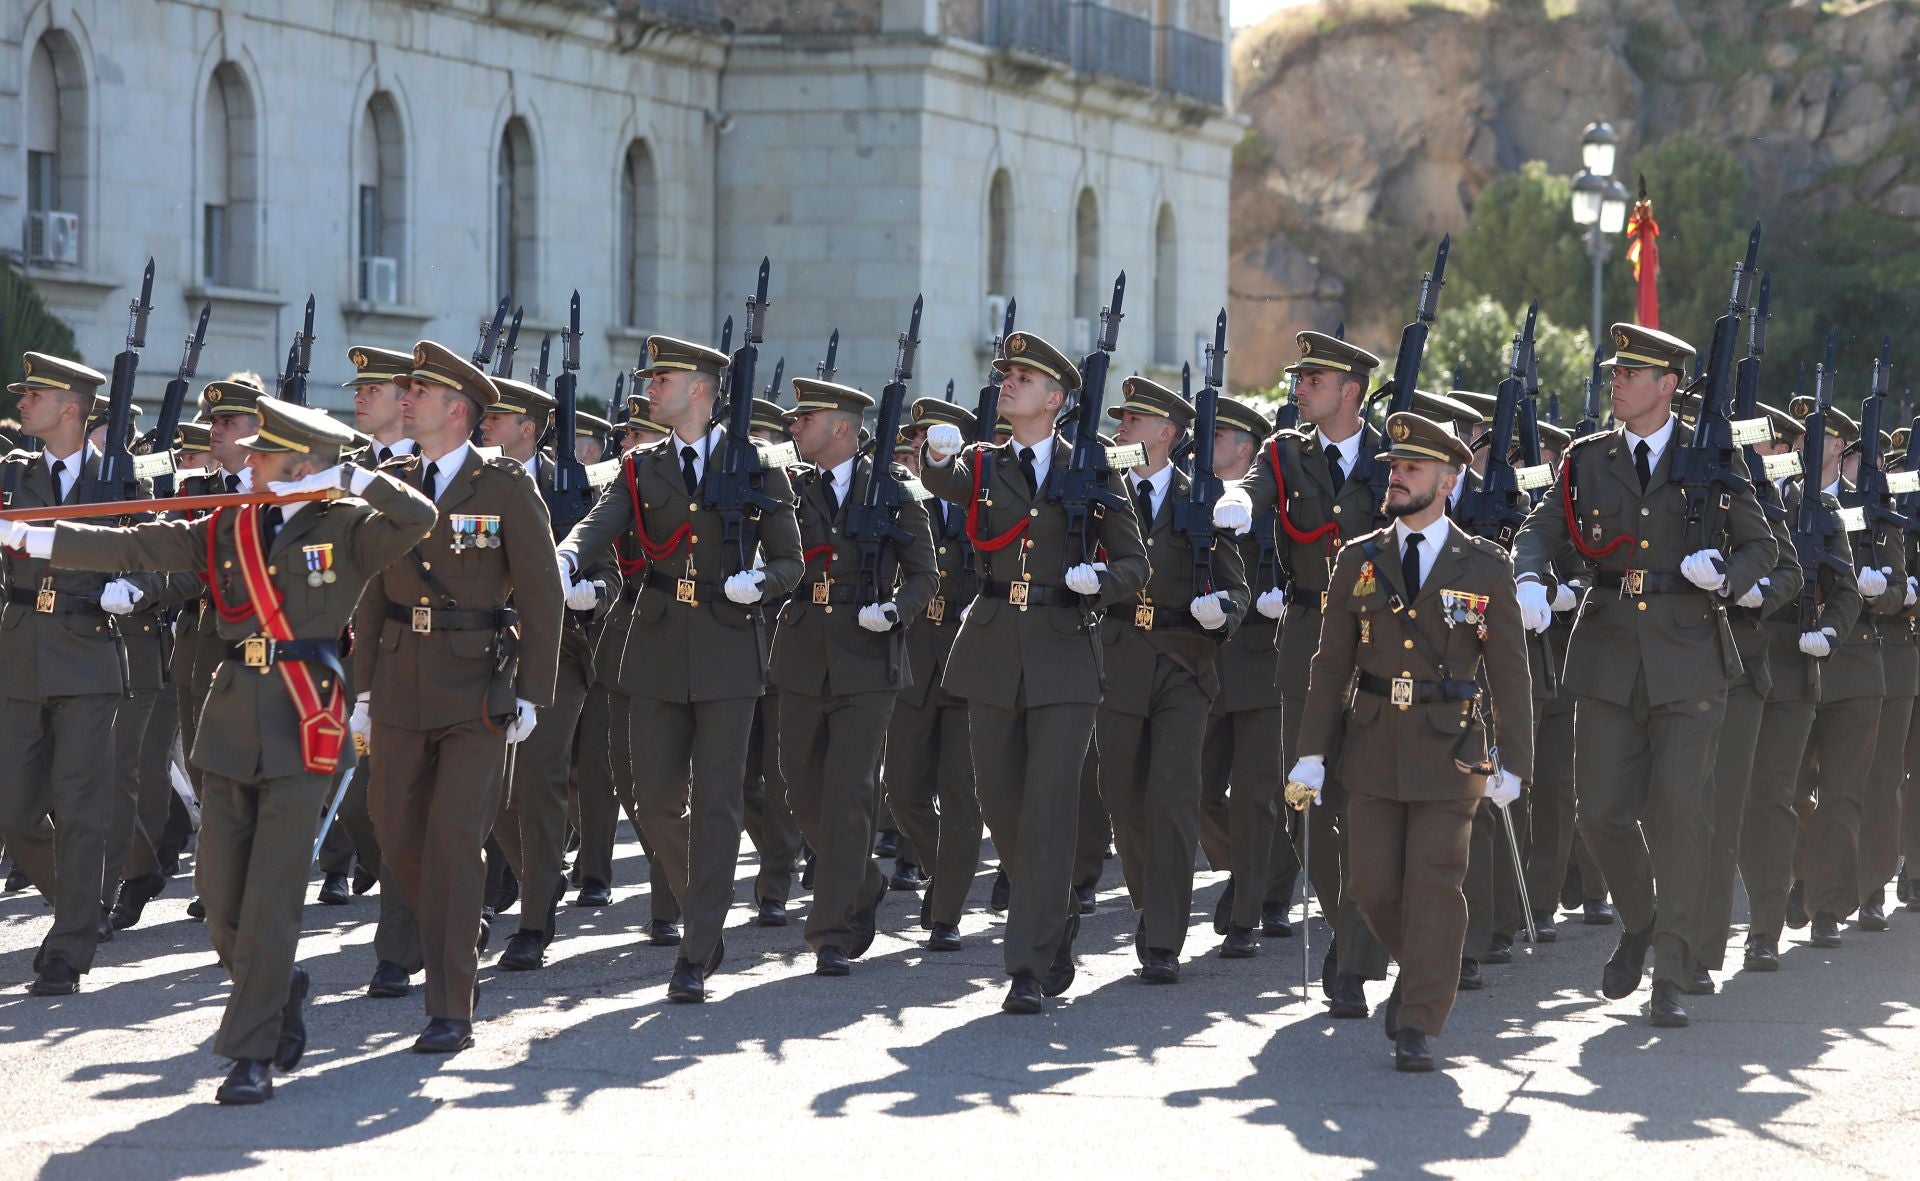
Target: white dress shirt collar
pixel 1656 442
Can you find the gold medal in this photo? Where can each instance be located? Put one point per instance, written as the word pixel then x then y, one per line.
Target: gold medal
pixel 1365 584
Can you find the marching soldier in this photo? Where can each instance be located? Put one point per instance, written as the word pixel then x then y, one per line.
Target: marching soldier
pixel 270 744
pixel 1161 685
pixel 694 664
pixel 449 675
pixel 1417 615
pixel 1879 854
pixel 1313 481
pixel 837 662
pixel 1650 657
pixel 1026 659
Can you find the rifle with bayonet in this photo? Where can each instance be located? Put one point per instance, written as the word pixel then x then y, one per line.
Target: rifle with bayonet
pixel 571 497
pixel 1597 384
pixel 1399 390
pixel 509 345
pixel 1193 517
pixel 293 385
pixel 1817 531
pixel 538 377
pixel 1493 509
pixel 1080 486
pixel 1746 399
pixel 986 424
pixel 738 490
pixel 116 481
pixel 1705 466
pixel 872 523
pixel 166 431
pixel 779 375
pixel 483 353
pixel 828 369
pixel 1869 492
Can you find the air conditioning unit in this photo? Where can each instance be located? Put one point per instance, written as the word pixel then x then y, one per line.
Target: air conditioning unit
pixel 996 316
pixel 380 279
pixel 53 237
pixel 1080 340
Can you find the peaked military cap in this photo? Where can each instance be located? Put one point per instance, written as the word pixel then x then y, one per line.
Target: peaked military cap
pixel 1145 396
pixel 903 444
pixel 1837 421
pixel 1033 351
pixel 436 363
pixel 1635 347
pixel 373 365
pixel 640 410
pixel 1441 408
pixel 1484 404
pixel 1239 416
pixel 927 412
pixel 666 354
pixel 230 397
pixel 810 394
pixel 1897 441
pixel 1409 436
pixel 194 438
pixel 1552 437
pixel 285 427
pixel 103 406
pixel 1320 351
pixel 1786 427
pixel 590 426
pixel 43 371
pixel 769 416
pixel 519 397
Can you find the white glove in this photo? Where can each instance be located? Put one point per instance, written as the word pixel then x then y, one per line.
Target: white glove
pixel 1754 594
pixel 1699 569
pixel 1084 579
pixel 944 441
pixel 1816 643
pixel 1271 603
pixel 1913 591
pixel 1873 583
pixel 1233 511
pixel 744 587
pixel 879 617
pixel 1311 772
pixel 1208 612
pixel 361 722
pixel 569 565
pixel 1565 597
pixel 583 596
pixel 1503 788
pixel 13 534
pixel 119 597
pixel 525 715
pixel 328 479
pixel 1535 613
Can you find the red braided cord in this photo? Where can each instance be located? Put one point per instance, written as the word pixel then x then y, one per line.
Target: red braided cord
pixel 1592 553
pixel 989 544
pixel 228 613
pixel 655 551
pixel 1299 536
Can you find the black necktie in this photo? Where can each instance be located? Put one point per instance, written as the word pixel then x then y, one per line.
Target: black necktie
pixel 386 453
pixel 1143 502
pixel 270 524
pixel 686 470
pixel 1026 469
pixel 1410 565
pixel 59 468
pixel 431 484
pixel 233 482
pixel 833 500
pixel 1642 455
pixel 1333 467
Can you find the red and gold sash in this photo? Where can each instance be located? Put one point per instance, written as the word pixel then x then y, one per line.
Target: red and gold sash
pixel 323 722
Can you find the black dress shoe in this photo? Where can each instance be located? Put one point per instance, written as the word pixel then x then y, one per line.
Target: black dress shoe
pixel 997 897
pixel 389 980
pixel 1390 1013
pixel 864 924
pixel 334 890
pixel 688 985
pixel 831 961
pixel 1797 906
pixel 58 978
pixel 1763 954
pixel 1161 967
pixel 1665 1006
pixel 1223 910
pixel 1700 983
pixel 1598 912
pixel 1628 964
pixel 1059 977
pixel 944 937
pixel 249 1082
pixel 1023 996
pixel 364 880
pixel 507 893
pixel 484 935
pixel 1410 1052
pixel 886 842
pixel 293 1022
pixel 526 951
pixel 1501 951
pixel 772 914
pixel 1085 899
pixel 1349 999
pixel 594 894
pixel 662 933
pixel 1239 944
pixel 1826 930
pixel 1873 915
pixel 16 881
pixel 103 929
pixel 135 893
pixel 1470 978
pixel 444 1035
pixel 1543 927
pixel 1913 893
pixel 1571 890
pixel 197 910
pixel 906 876
pixel 1273 921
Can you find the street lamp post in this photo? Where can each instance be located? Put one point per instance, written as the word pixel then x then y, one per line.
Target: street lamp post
pixel 1599 204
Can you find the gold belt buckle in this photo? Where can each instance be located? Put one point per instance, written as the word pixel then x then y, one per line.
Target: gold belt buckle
pixel 1017 594
pixel 1633 582
pixel 1402 691
pixel 423 620
pixel 937 608
pixel 255 651
pixel 1143 617
pixel 684 591
pixel 822 591
pixel 43 601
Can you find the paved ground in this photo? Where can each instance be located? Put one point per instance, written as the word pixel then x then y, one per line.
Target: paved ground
pixel 908 1068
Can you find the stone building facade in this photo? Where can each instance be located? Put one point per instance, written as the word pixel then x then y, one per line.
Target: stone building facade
pixel 405 161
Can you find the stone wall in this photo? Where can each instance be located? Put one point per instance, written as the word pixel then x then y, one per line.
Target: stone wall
pixel 803 16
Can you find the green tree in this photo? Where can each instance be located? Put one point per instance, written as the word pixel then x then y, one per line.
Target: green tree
pixel 1472 345
pixel 26 325
pixel 1521 244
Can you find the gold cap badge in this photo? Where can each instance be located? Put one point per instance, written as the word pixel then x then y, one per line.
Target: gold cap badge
pixel 1306 348
pixel 419 354
pixel 1017 345
pixel 1399 431
pixel 1620 340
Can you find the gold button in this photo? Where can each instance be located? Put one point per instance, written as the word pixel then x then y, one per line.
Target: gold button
pixel 1336 510
pixel 943 549
pixel 426 565
pixel 1405 673
pixel 1033 512
pixel 273 569
pixel 1641 606
pixel 829 610
pixel 1411 614
pixel 424 601
pixel 1149 541
pixel 1406 643
pixel 1646 512
pixel 1025 577
pixel 226 565
pixel 693 539
pixel 691 507
pixel 1643 545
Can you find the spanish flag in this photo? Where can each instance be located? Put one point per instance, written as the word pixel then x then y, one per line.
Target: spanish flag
pixel 1643 251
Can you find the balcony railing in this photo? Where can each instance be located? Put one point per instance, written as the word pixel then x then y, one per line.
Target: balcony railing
pixel 1040 27
pixel 692 12
pixel 1113 43
pixel 1194 67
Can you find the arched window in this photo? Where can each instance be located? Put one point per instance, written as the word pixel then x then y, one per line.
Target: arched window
pixel 1166 290
pixel 380 195
pixel 56 121
pixel 1086 268
pixel 515 215
pixel 229 182
pixel 999 236
pixel 639 237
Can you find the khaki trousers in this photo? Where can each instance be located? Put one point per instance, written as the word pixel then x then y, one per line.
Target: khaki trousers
pixel 61 757
pixel 1150 781
pixel 830 756
pixel 1240 775
pixel 929 779
pixel 1409 860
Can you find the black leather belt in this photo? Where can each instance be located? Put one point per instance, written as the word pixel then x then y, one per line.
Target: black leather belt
pixel 1147 618
pixel 54 602
pixel 703 592
pixel 1406 691
pixel 433 619
pixel 814 591
pixel 263 653
pixel 1646 582
pixel 1030 594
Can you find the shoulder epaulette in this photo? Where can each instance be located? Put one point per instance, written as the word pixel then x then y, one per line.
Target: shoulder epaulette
pixel 501 463
pixel 401 463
